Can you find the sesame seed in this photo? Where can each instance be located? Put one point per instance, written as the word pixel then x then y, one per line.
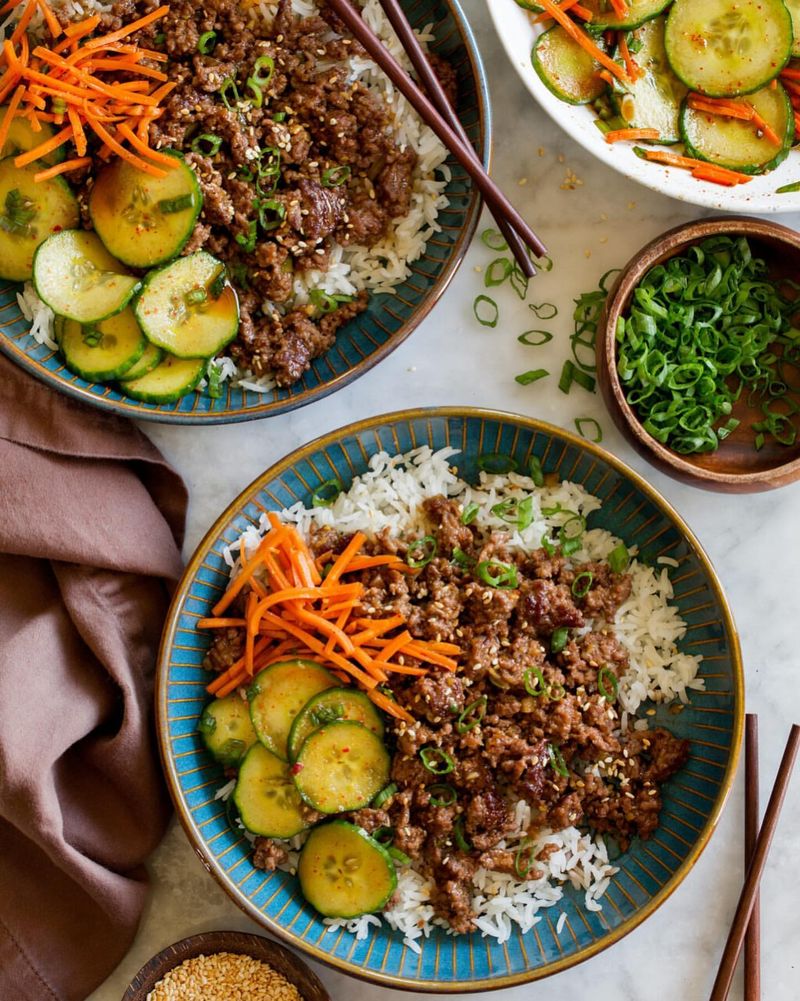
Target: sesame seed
pixel 221 976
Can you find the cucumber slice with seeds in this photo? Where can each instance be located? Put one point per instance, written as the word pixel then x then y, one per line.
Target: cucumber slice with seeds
pixel 724 48
pixel 729 142
pixel 266 797
pixel 78 278
pixel 341 766
pixel 21 138
pixel 344 872
pixel 171 379
pixel 144 220
pixel 151 357
pixel 653 101
pixel 793 6
pixel 328 706
pixel 567 70
pixel 639 11
pixel 107 350
pixel 30 212
pixel 226 729
pixel 188 307
pixel 278 693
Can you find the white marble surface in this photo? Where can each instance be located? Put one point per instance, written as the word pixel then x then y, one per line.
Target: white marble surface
pixel 753 541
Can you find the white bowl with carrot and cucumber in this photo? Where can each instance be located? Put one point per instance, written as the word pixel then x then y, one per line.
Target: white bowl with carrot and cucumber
pixel 697 99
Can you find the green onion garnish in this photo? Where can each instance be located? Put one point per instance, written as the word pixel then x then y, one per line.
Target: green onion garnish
pixel 526 378
pixel 581 423
pixel 279 116
pixel 607 684
pixel 487 316
pixel 582 584
pixel 785 189
pixel 169 206
pixel 248 243
pixel 619 558
pixel 458 833
pixel 421 551
pixel 559 639
pixel 557 761
pixel 263 68
pixel 556 691
pixel 383 835
pixel 334 177
pixel 534 682
pixel 544 310
pixel 229 93
pixel 442 794
pixel 497 574
pixel 547 545
pixel 326 493
pixel 519 281
pixel 573 528
pixel 206 145
pixel 270 205
pixel 570 546
pixel 516 511
pixel 494 239
pixel 535 471
pixel 524 859
pixel 497 463
pixel 542 337
pixel 385 794
pixel 257 100
pixel 214 379
pixel 437 760
pixel 206 42
pixel 469 514
pixel 497 272
pixel 472 715
pixel 398 856
pixel 195 296
pixel 571 373
pixel 462 559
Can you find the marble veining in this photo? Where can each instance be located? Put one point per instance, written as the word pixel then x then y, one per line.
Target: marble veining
pixel 592 220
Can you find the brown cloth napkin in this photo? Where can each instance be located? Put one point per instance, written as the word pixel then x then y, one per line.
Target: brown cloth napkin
pixel 91 520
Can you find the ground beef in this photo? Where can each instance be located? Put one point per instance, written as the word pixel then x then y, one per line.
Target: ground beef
pixel 226 647
pixel 268 854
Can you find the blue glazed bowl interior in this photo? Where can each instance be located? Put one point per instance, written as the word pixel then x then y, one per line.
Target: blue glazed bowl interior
pixel 364 341
pixel 648 872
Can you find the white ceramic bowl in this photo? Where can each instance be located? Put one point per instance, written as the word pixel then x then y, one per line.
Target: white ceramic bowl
pixel 518 33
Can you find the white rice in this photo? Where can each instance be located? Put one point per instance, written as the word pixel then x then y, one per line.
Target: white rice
pixel 389 496
pixel 377 269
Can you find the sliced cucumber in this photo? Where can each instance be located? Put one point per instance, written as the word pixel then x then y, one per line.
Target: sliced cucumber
pixel 77 277
pixel 723 48
pixel 344 872
pixel 266 797
pixel 341 766
pixel 226 729
pixel 188 307
pixel 639 11
pixel 653 101
pixel 106 350
pixel 151 357
pixel 567 70
pixel 793 6
pixel 732 143
pixel 21 138
pixel 30 212
pixel 333 704
pixel 143 220
pixel 171 379
pixel 278 693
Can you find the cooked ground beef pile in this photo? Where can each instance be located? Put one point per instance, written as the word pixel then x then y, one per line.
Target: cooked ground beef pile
pixel 290 155
pixel 611 783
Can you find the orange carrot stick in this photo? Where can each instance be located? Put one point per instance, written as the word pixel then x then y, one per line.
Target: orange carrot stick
pixel 389 706
pixel 79 136
pixel 217 623
pixel 52 22
pixel 585 41
pixel 633 68
pixel 9 115
pixel 745 113
pixel 617 135
pixel 44 148
pixel 62 168
pixel 24 21
pixel 128 29
pixel 343 559
pixel 141 147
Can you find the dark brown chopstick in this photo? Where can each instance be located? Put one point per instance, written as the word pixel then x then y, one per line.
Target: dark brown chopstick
pixel 733 946
pixel 430 81
pixel 493 196
pixel 752 940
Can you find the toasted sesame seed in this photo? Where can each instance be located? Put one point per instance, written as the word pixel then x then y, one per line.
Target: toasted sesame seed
pixel 222 976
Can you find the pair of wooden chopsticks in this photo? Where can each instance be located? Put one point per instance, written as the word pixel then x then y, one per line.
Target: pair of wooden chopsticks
pixel 745 929
pixel 435 111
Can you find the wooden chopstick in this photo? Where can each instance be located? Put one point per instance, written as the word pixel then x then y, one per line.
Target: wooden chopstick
pixel 430 81
pixel 744 908
pixel 493 196
pixel 752 939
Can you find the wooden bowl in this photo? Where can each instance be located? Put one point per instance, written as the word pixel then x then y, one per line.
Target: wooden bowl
pixel 736 466
pixel 283 960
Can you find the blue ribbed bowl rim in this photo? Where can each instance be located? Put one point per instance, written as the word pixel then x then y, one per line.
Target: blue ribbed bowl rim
pixel 368 338
pixel 693 799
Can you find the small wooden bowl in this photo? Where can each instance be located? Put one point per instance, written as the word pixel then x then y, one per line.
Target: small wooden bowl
pixel 283 960
pixel 736 466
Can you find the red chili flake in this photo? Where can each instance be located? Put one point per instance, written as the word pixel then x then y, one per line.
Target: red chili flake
pixel 296 768
pixel 345 750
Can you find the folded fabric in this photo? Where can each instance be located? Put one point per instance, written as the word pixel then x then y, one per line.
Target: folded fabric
pixel 91 523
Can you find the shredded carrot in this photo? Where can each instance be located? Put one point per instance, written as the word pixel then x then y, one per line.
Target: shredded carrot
pixel 63 168
pixel 620 8
pixel 128 29
pixel 714 176
pixel 81 28
pixel 37 152
pixel 389 706
pixel 617 135
pixel 585 42
pixel 633 68
pixel 743 112
pixel 766 129
pixel 565 5
pixel 341 561
pixel 8 117
pixel 78 135
pixel 689 163
pixel 220 623
pixel 24 21
pixel 50 19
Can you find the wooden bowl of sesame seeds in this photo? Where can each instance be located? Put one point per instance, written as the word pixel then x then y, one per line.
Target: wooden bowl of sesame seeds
pixel 219 965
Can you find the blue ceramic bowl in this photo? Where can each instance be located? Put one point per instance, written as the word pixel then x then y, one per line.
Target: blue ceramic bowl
pixel 693 799
pixel 369 337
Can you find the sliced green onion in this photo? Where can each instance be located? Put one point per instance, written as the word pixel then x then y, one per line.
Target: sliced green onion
pixel 526 378
pixel 557 760
pixel 582 584
pixel 535 470
pixel 497 272
pixel 257 100
pixel 497 574
pixel 570 546
pixel 206 42
pixel 437 760
pixel 487 316
pixel 519 281
pixel 458 833
pixel 263 68
pixel 383 835
pixel 442 794
pixel 385 794
pixel 542 337
pixel 619 558
pixel 398 856
pixel 494 239
pixel 248 243
pixel 516 511
pixel 214 379
pixel 169 206
pixel 559 639
pixel 571 373
pixel 544 311
pixel 607 684
pixel 229 93
pixel 556 691
pixel 534 682
pixel 462 559
pixel 547 545
pixel 581 423
pixel 195 296
pixel 426 548
pixel 334 177
pixel 785 189
pixel 207 144
pixel 573 528
pixel 472 715
pixel 524 859
pixel 279 116
pixel 497 463
pixel 469 514
pixel 326 493
pixel 271 205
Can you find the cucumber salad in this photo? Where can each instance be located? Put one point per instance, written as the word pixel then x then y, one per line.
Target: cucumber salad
pixel 707 86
